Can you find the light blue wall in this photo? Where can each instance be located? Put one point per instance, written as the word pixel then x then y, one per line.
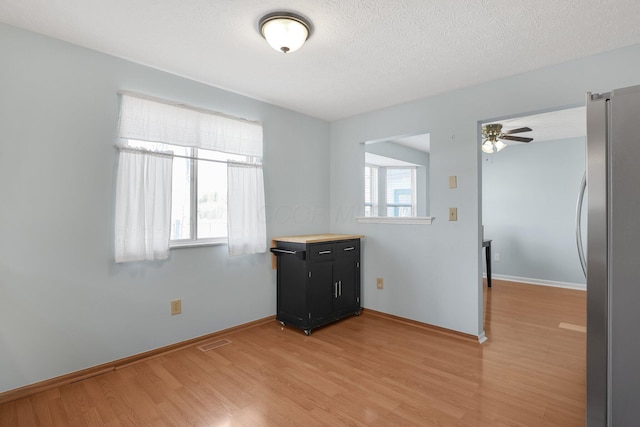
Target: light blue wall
pixel 529 194
pixel 64 304
pixel 433 272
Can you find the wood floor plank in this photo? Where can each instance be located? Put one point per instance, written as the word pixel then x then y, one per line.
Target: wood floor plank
pixel 102 406
pixel 9 414
pixel 25 413
pixel 363 371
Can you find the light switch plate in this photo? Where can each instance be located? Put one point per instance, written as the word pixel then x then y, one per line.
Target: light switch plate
pixel 453 214
pixel 453 181
pixel 176 306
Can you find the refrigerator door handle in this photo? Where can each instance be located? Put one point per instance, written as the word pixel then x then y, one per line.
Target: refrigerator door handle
pixel 583 187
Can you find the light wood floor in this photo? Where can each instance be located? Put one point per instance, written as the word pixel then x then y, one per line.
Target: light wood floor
pixel 363 371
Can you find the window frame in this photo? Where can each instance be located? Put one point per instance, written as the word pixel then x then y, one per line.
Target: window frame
pixel 142 209
pixel 374 190
pixel 194 159
pixel 379 203
pixel 194 241
pixel 414 202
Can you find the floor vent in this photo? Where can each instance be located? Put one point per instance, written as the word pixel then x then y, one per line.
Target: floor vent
pixel 213 345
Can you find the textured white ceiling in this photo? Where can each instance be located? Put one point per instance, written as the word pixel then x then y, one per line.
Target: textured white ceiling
pixel 363 54
pixel 551 126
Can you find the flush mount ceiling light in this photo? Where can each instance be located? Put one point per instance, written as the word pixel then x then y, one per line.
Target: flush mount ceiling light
pixel 286 32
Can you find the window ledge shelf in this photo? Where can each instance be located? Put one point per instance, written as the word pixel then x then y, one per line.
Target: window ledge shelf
pixel 196 244
pixel 394 220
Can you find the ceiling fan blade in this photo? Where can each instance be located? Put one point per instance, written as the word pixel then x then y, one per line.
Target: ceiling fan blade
pixel 519 130
pixel 516 138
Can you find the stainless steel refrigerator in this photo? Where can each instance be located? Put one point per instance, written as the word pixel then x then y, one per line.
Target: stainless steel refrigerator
pixel 613 258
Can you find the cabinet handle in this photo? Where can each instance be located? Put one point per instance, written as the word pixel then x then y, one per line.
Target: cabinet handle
pixel 335 290
pixel 324 252
pixel 350 248
pixel 279 251
pixel 340 284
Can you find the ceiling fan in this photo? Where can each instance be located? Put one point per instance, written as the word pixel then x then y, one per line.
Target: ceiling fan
pixel 492 135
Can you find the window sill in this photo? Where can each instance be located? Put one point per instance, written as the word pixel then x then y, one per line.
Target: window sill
pixel 394 220
pixel 196 243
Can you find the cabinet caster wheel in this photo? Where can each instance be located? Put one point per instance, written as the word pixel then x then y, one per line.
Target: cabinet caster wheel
pixel 358 313
pixel 307 332
pixel 282 323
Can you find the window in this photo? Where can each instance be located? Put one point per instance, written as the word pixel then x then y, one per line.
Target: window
pixel 198 192
pixel 389 191
pixel 186 176
pixel 401 191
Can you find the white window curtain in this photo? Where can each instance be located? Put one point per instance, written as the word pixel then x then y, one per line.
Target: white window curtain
pixel 246 209
pixel 143 207
pixel 150 119
pixel 154 120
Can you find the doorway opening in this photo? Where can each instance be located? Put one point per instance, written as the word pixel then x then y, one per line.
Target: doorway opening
pixel 529 194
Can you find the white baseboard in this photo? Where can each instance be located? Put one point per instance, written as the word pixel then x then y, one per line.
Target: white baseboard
pixel 482 338
pixel 566 285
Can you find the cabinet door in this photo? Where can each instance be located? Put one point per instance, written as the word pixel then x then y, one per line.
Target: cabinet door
pixel 292 299
pixel 320 292
pixel 347 275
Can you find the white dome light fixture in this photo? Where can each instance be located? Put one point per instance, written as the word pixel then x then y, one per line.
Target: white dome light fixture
pixel 286 32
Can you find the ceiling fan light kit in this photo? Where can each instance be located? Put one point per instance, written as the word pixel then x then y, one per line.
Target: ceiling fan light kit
pixel 286 32
pixel 492 135
pixel 491 147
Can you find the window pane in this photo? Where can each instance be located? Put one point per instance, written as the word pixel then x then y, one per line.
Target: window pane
pixel 400 192
pixel 201 199
pixel 212 198
pixel 399 211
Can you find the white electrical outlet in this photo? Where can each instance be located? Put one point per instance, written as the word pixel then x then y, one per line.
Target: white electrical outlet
pixel 496 257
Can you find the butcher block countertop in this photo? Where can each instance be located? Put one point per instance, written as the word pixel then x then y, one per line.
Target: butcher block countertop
pixel 317 238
